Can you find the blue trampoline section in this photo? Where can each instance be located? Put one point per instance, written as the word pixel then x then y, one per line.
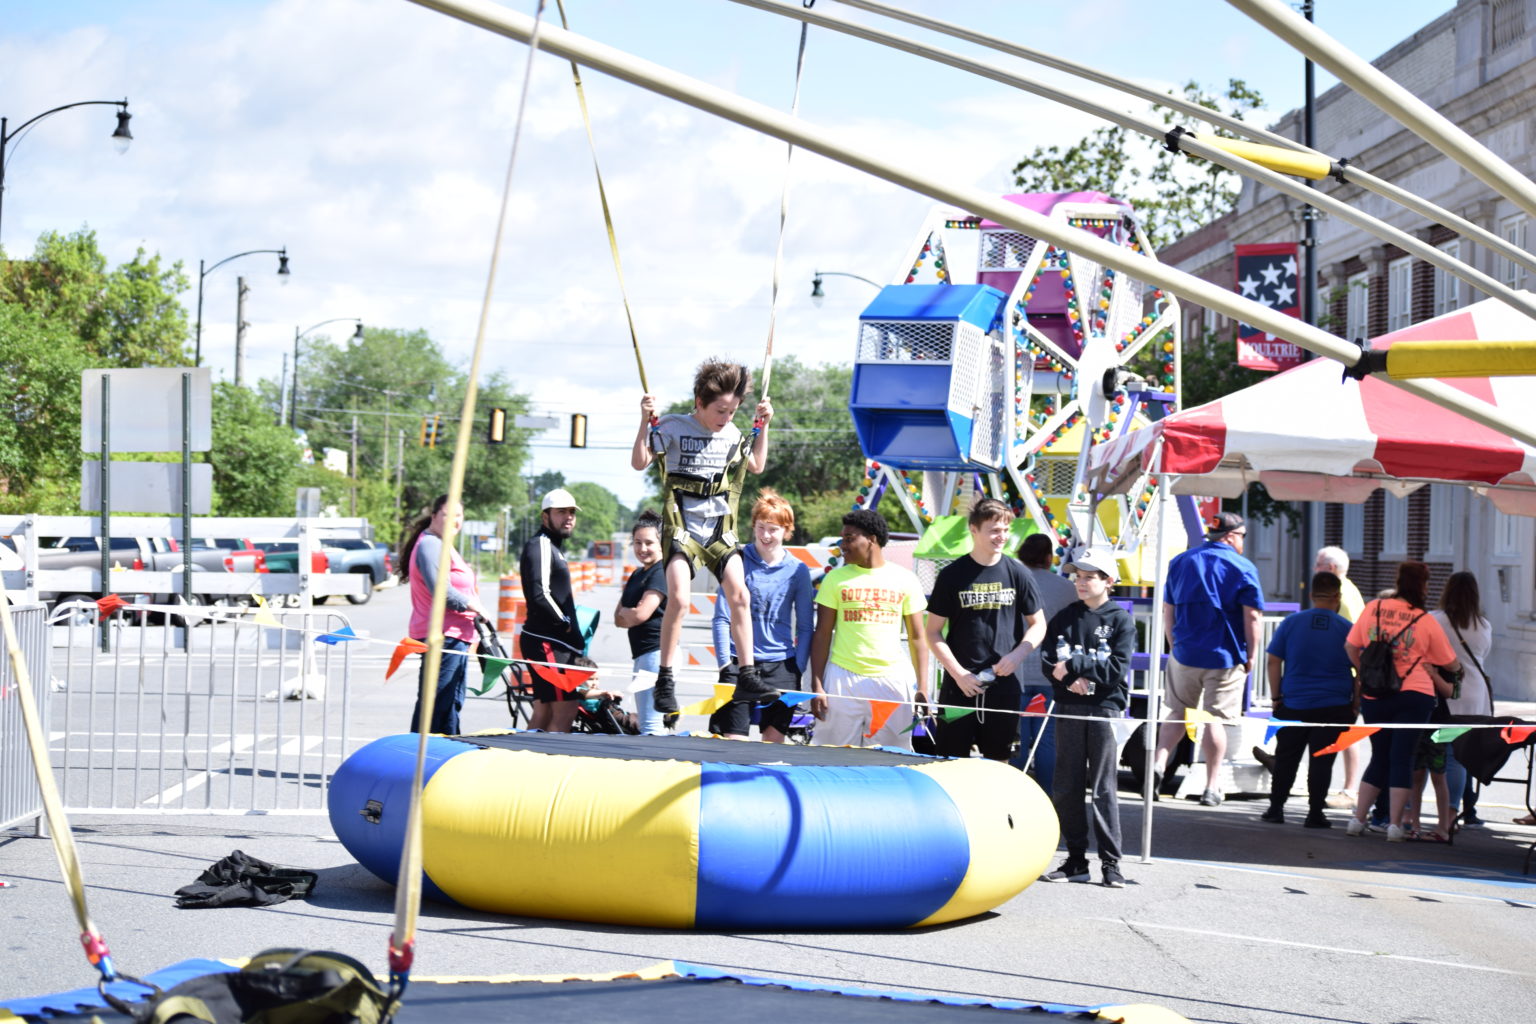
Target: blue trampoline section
pixel 382 772
pixel 808 847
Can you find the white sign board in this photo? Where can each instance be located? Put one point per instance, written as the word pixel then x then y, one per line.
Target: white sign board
pixel 478 528
pixel 152 487
pixel 145 409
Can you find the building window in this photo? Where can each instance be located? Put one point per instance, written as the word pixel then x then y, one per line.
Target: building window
pixel 1506 535
pixel 1512 229
pixel 1354 530
pixel 1357 307
pixel 1399 293
pixel 1394 527
pixel 1444 511
pixel 1448 285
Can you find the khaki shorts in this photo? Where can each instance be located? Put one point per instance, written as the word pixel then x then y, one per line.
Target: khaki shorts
pixel 1218 690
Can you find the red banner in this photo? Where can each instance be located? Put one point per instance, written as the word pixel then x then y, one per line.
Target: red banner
pixel 1268 275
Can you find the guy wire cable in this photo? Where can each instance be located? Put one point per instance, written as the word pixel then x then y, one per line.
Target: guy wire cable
pixel 402 941
pixel 1406 108
pixel 1340 170
pixel 1234 156
pixel 630 68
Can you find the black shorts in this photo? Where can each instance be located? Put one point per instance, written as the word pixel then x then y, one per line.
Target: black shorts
pixel 534 649
pixel 735 719
pixel 992 729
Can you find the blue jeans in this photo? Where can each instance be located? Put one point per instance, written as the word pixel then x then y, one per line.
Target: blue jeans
pixel 1031 726
pixel 651 720
pixel 1392 750
pixel 451 676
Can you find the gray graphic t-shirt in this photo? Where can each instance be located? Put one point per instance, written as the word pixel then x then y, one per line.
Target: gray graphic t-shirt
pixel 686 447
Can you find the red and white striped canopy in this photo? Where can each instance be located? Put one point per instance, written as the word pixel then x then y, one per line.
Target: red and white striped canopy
pixel 1307 435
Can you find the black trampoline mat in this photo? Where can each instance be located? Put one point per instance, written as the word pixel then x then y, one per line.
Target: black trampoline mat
pixel 673 1000
pixel 698 749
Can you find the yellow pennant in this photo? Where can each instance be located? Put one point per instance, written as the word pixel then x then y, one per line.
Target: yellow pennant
pixel 709 705
pixel 1192 719
pixel 264 616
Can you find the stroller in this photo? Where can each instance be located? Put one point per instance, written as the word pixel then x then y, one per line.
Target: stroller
pixel 516 677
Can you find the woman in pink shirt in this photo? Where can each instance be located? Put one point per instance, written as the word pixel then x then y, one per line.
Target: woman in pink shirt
pixel 1420 651
pixel 422 549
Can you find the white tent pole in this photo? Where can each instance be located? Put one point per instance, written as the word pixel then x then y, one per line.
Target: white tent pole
pixel 772 122
pixel 1416 115
pixel 1352 174
pixel 1165 507
pixel 1189 143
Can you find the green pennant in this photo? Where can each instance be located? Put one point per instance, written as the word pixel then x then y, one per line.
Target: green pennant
pixel 950 714
pixel 1447 734
pixel 494 667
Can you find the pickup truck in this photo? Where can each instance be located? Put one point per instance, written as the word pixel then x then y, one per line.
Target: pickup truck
pixel 155 554
pixel 364 557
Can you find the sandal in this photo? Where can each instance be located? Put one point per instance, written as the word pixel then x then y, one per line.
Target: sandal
pixel 1430 836
pixel 1529 819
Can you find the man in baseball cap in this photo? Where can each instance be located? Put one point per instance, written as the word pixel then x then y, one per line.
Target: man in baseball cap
pixel 559 498
pixel 551 633
pixel 1211 607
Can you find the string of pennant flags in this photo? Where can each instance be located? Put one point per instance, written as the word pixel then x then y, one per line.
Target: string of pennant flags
pixel 570 679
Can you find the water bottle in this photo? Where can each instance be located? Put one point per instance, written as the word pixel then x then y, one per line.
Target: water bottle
pixel 1063 651
pixel 986 677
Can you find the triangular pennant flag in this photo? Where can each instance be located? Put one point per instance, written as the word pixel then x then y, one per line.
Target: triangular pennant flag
pixel 561 678
pixel 949 714
pixel 1448 733
pixel 1036 705
pixel 494 667
pixel 339 636
pixel 1354 734
pixel 643 681
pixel 1515 735
pixel 794 698
pixel 1192 719
pixel 1275 725
pixel 912 725
pixel 109 604
pixel 402 649
pixel 710 705
pixel 1123 728
pixel 264 616
pixel 879 713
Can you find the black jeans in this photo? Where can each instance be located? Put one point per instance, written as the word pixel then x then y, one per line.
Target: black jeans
pixel 1085 759
pixel 1292 742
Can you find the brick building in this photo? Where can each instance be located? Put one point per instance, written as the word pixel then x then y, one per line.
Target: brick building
pixel 1476 64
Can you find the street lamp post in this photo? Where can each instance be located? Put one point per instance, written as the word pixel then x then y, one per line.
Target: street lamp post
pixel 817 295
pixel 202 272
pixel 121 137
pixel 293 398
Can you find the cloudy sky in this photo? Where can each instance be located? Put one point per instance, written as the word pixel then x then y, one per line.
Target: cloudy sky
pixel 370 138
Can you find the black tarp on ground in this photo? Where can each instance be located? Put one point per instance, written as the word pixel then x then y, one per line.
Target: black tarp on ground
pixel 691 748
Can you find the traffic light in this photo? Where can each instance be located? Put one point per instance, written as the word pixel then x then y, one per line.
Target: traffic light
pixel 430 424
pixel 578 430
pixel 496 427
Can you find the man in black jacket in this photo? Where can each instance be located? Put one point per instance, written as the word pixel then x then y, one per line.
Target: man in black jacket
pixel 550 632
pixel 1087 652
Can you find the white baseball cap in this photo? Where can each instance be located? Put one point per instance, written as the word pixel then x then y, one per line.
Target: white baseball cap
pixel 1093 560
pixel 559 498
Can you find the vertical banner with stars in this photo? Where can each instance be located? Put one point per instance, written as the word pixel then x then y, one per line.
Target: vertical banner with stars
pixel 1267 274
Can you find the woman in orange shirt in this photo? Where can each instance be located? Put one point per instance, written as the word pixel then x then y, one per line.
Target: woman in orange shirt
pixel 1421 654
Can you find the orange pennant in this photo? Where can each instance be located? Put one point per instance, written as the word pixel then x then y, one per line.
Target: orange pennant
pixel 402 650
pixel 1036 705
pixel 567 679
pixel 880 712
pixel 110 604
pixel 1515 735
pixel 1349 737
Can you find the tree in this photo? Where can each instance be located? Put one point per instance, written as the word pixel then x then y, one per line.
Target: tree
pixel 40 433
pixel 601 515
pixel 1173 194
pixel 255 461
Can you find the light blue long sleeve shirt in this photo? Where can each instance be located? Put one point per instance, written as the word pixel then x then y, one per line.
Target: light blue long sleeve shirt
pixel 782 611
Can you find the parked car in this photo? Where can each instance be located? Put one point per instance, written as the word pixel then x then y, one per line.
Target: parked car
pixel 363 557
pixel 283 556
pixel 155 554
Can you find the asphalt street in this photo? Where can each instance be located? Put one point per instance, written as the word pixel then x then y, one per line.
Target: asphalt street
pixel 1234 920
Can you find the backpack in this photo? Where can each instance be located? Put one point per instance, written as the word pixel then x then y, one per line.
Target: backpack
pixel 1378 667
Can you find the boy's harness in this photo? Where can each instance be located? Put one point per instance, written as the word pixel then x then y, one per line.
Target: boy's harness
pixel 728 481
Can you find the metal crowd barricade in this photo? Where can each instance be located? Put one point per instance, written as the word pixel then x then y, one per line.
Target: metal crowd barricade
pixel 247 718
pixel 20 798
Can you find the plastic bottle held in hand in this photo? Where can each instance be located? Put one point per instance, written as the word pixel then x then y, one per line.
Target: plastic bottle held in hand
pixel 1063 650
pixel 986 677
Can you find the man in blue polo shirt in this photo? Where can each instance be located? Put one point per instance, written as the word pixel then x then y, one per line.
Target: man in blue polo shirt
pixel 1211 606
pixel 1311 680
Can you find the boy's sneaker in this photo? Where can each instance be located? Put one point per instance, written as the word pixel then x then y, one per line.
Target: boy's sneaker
pixel 1317 819
pixel 750 687
pixel 1275 816
pixel 1396 834
pixel 664 696
pixel 1210 798
pixel 1356 827
pixel 1072 870
pixel 1113 879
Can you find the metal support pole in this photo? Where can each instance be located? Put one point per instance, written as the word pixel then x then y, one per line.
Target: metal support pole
pixel 186 508
pixel 197 345
pixel 1155 663
pixel 353 466
pixel 399 473
pixel 1308 291
pixel 241 291
pixel 293 397
pixel 106 502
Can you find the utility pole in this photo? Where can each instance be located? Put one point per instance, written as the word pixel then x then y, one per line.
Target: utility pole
pixel 282 402
pixel 353 466
pixel 241 291
pixel 399 473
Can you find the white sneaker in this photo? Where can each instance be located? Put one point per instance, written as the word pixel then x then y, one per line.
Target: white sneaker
pixel 1356 827
pixel 1396 834
pixel 1343 800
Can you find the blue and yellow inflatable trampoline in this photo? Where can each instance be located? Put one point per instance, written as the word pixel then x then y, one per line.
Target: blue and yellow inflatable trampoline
pixel 693 832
